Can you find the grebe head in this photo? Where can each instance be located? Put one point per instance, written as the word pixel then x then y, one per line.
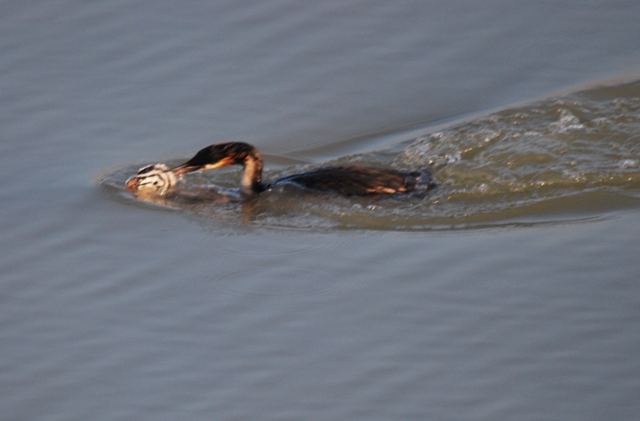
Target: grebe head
pixel 223 154
pixel 219 155
pixel 152 179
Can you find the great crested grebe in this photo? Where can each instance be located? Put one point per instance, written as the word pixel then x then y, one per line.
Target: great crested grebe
pixel 345 180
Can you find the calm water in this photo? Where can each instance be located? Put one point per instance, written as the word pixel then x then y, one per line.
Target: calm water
pixel 509 293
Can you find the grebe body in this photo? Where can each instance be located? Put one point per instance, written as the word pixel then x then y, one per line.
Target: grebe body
pixel 359 180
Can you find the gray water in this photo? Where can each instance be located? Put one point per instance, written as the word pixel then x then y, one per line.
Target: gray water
pixel 509 293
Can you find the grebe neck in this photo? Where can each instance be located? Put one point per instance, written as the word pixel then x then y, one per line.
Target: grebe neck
pixel 252 174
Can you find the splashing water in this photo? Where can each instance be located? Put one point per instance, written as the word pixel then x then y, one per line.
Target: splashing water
pixel 574 156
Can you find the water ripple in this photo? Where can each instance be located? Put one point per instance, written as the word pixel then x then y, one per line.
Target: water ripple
pixel 541 162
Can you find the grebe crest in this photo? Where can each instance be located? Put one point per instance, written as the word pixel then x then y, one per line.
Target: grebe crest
pixel 152 179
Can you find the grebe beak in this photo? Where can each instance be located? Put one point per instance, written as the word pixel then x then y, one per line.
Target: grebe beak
pixel 184 168
pixel 132 184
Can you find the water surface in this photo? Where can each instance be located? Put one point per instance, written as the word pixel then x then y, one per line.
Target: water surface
pixel 562 158
pixel 516 298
